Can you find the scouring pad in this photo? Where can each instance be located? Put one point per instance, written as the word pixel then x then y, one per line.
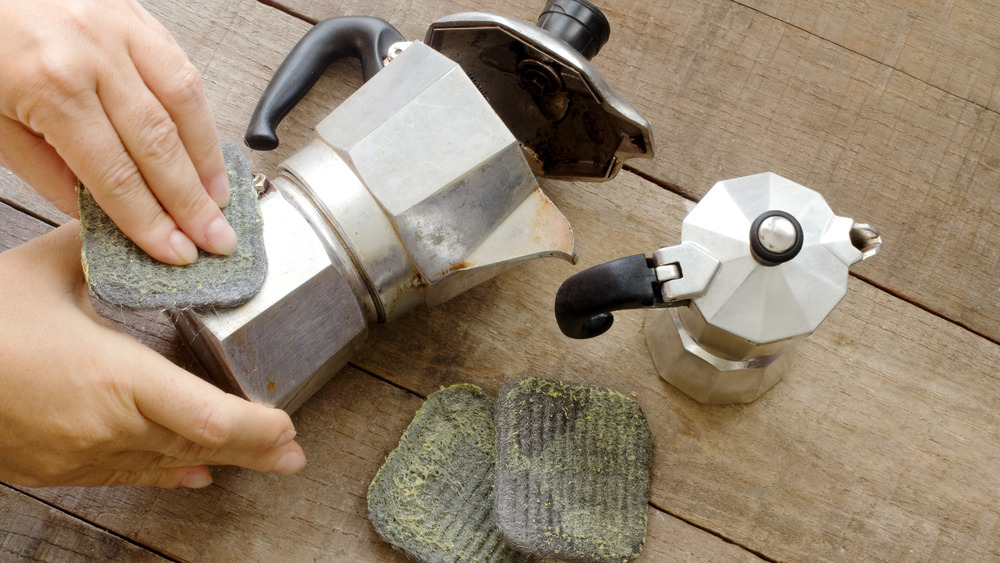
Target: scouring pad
pixel 572 471
pixel 433 496
pixel 120 273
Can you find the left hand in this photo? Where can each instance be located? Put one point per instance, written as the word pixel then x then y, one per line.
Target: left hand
pixel 84 404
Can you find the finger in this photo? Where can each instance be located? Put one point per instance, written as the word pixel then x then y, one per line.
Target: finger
pixel 150 22
pixel 176 451
pixel 152 139
pixel 284 460
pixel 38 164
pixel 173 450
pixel 89 144
pixel 178 86
pixel 205 415
pixel 195 477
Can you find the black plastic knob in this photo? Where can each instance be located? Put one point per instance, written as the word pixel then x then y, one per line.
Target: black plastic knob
pixel 577 22
pixel 786 241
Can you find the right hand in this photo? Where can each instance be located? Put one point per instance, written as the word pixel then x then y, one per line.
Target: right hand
pixel 97 90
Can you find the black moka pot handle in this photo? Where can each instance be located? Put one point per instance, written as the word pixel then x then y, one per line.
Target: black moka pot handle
pixel 363 37
pixel 585 301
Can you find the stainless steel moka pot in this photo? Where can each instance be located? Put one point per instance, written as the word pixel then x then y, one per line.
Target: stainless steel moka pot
pixel 417 187
pixel 762 262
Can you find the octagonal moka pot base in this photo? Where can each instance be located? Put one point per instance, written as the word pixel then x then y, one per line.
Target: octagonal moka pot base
pixel 702 375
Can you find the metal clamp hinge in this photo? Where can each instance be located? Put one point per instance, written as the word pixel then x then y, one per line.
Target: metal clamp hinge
pixel 683 271
pixel 262 185
pixel 395 50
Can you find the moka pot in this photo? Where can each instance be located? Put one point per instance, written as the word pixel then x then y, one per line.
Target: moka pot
pixel 417 187
pixel 762 262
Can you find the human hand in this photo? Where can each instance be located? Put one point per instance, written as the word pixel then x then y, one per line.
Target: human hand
pixel 84 404
pixel 97 90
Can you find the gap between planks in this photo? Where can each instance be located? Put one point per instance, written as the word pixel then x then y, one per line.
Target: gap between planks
pixel 678 190
pixel 23 491
pixel 849 50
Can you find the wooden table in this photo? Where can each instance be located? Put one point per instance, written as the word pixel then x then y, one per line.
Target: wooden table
pixel 882 443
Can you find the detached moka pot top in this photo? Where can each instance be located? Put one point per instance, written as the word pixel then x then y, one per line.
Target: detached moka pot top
pixel 417 187
pixel 762 262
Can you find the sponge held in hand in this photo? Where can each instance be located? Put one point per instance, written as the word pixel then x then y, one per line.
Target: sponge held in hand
pixel 120 273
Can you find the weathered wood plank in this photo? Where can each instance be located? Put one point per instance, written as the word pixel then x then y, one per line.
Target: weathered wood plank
pixel 731 91
pixel 842 461
pixel 320 514
pixel 347 429
pixel 882 442
pixel 32 531
pixel 16 227
pixel 951 45
pixel 18 194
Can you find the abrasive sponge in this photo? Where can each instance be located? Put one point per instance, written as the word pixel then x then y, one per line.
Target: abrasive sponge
pixel 572 471
pixel 433 496
pixel 120 273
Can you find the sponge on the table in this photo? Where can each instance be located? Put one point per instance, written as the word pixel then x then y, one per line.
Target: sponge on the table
pixel 120 273
pixel 433 496
pixel 572 471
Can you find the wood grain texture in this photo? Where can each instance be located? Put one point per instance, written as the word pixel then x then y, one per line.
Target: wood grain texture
pixel 16 193
pixel 320 514
pixel 881 444
pixel 951 45
pixel 347 429
pixel 16 227
pixel 32 531
pixel 891 119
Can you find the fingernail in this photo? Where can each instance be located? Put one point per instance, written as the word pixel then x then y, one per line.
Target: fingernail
pixel 285 438
pixel 291 462
pixel 220 237
pixel 186 251
pixel 196 480
pixel 218 189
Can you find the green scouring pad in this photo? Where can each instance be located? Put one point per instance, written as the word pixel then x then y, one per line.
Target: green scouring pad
pixel 433 496
pixel 572 471
pixel 120 273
